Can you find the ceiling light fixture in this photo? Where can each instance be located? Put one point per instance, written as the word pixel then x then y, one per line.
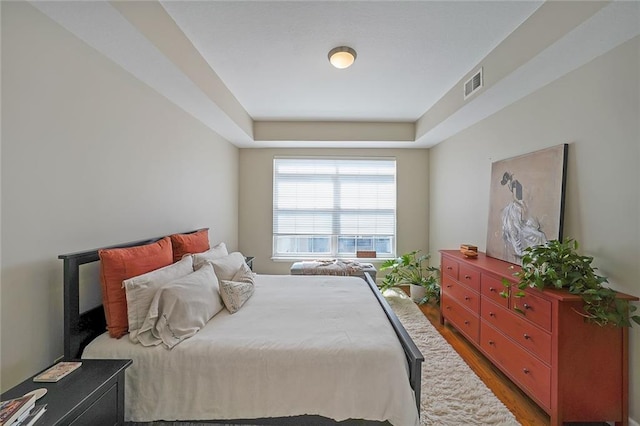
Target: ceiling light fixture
pixel 342 56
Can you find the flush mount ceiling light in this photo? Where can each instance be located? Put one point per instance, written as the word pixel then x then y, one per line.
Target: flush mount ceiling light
pixel 342 56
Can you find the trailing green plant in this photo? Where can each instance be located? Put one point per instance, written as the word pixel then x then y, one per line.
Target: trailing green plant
pixel 412 268
pixel 557 264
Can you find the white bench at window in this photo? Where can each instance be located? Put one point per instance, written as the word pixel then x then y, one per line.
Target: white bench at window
pixel 315 267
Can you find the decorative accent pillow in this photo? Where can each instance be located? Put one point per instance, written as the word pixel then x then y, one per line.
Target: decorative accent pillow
pixel 227 266
pixel 141 289
pixel 117 265
pixel 237 291
pixel 196 242
pixel 215 252
pixel 181 308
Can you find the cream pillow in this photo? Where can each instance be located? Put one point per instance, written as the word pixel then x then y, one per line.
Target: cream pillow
pixel 214 252
pixel 227 266
pixel 181 308
pixel 236 292
pixel 141 289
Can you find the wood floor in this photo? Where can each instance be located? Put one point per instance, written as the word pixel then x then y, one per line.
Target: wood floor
pixel 525 410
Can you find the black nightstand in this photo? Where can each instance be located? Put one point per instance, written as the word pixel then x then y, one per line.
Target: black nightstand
pixel 91 395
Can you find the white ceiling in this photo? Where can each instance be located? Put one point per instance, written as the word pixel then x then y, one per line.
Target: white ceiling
pixel 273 55
pixel 244 64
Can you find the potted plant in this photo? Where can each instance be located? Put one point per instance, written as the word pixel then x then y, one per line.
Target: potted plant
pixel 557 264
pixel 412 268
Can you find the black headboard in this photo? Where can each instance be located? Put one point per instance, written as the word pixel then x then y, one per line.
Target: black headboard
pixel 82 327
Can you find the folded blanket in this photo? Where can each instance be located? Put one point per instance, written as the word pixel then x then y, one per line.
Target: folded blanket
pixel 333 267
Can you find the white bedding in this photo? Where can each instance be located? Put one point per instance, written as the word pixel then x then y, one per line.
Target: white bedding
pixel 318 345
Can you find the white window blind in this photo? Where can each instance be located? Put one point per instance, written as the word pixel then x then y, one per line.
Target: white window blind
pixel 333 207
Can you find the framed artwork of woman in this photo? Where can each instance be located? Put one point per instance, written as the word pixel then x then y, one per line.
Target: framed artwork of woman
pixel 526 206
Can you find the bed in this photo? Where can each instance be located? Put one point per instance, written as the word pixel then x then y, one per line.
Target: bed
pixel 287 357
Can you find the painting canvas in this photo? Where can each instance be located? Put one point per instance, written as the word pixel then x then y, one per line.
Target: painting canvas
pixel 526 202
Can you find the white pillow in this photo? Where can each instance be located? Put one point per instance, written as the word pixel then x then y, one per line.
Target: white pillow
pixel 141 289
pixel 237 291
pixel 214 252
pixel 181 308
pixel 226 267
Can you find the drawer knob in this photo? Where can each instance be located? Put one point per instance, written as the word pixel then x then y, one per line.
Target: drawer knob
pixel 492 289
pixel 467 298
pixel 491 314
pixel 449 268
pixel 526 336
pixel 448 308
pixel 466 323
pixel 467 277
pixel 492 343
pixel 449 285
pixel 527 306
pixel 525 370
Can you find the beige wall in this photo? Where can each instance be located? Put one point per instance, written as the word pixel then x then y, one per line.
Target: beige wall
pixel 90 157
pixel 256 195
pixel 596 110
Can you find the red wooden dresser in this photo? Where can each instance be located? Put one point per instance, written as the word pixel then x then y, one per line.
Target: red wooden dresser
pixel 576 371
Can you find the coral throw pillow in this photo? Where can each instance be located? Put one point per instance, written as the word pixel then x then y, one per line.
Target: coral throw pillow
pixel 196 242
pixel 117 265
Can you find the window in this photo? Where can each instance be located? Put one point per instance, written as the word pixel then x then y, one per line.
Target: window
pixel 333 207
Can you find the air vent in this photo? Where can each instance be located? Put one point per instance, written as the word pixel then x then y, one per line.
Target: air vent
pixel 473 84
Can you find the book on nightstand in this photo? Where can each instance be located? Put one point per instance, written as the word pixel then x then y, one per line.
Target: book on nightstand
pixel 16 409
pixel 33 415
pixel 57 372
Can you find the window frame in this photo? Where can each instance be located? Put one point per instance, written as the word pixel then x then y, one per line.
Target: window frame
pixel 334 237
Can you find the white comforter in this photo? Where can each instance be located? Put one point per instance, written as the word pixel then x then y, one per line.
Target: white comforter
pixel 318 345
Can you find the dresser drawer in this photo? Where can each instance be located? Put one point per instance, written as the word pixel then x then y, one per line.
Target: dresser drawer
pixel 533 308
pixel 462 294
pixel 470 277
pixel 525 369
pixel 464 321
pixel 491 288
pixel 527 335
pixel 449 267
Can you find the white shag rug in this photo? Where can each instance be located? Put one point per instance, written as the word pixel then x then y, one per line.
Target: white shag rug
pixel 452 394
